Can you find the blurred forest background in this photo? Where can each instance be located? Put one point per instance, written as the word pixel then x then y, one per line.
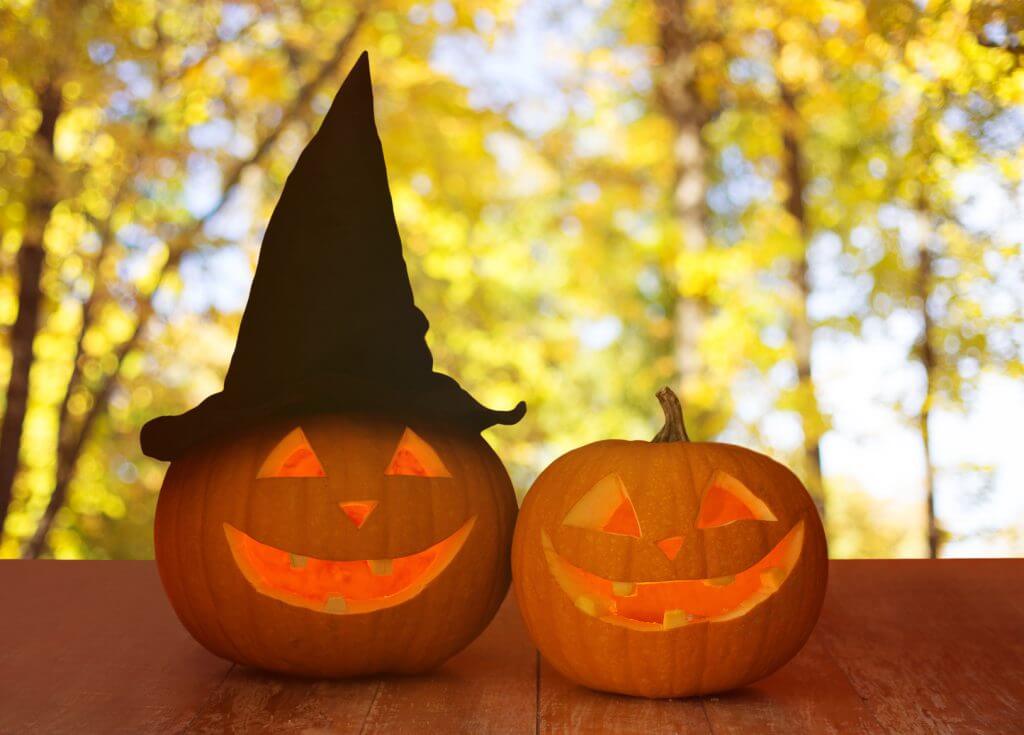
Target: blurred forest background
pixel 807 215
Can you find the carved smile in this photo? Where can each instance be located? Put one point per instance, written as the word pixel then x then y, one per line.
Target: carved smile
pixel 341 587
pixel 653 606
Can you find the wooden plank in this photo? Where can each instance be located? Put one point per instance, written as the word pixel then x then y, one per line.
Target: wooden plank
pixel 903 646
pixel 491 687
pixel 932 647
pixel 256 702
pixel 488 687
pixel 566 707
pixel 811 694
pixel 91 646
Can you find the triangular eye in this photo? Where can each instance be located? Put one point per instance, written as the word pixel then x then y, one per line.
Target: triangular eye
pixel 727 500
pixel 606 507
pixel 414 457
pixel 292 457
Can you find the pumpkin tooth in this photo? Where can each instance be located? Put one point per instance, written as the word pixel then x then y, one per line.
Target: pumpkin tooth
pixel 587 605
pixel 720 581
pixel 297 561
pixel 335 605
pixel 674 619
pixel 623 589
pixel 380 567
pixel 771 579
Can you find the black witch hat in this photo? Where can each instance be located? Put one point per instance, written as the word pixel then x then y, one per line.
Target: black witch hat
pixel 330 324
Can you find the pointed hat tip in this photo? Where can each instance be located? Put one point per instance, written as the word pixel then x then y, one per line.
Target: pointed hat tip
pixel 361 68
pixel 358 78
pixel 354 98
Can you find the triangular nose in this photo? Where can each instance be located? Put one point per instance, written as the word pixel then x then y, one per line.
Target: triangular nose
pixel 670 546
pixel 358 510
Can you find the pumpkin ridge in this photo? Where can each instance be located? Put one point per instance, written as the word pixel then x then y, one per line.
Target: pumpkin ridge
pixel 205 461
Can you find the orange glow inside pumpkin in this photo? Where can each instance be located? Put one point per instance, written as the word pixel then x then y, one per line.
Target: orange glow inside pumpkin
pixel 728 500
pixel 674 603
pixel 358 510
pixel 292 457
pixel 341 587
pixel 414 457
pixel 606 507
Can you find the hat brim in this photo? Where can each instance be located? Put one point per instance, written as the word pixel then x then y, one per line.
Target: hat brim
pixel 437 398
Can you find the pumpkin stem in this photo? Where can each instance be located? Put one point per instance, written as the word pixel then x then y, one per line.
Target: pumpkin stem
pixel 674 429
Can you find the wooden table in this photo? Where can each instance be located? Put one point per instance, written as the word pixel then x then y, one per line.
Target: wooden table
pixel 902 646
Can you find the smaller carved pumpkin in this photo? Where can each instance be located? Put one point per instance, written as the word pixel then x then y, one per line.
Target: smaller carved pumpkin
pixel 668 568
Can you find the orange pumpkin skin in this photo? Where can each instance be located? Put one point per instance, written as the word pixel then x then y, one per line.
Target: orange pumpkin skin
pixel 215 489
pixel 665 483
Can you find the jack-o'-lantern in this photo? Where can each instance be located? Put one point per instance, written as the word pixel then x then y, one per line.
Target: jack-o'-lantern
pixel 333 511
pixel 346 545
pixel 668 568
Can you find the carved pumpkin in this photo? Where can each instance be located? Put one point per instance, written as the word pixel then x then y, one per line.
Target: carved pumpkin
pixel 668 568
pixel 337 545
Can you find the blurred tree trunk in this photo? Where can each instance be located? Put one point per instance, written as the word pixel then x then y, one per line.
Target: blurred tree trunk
pixel 680 102
pixel 43 196
pixel 926 352
pixel 801 329
pixel 72 438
